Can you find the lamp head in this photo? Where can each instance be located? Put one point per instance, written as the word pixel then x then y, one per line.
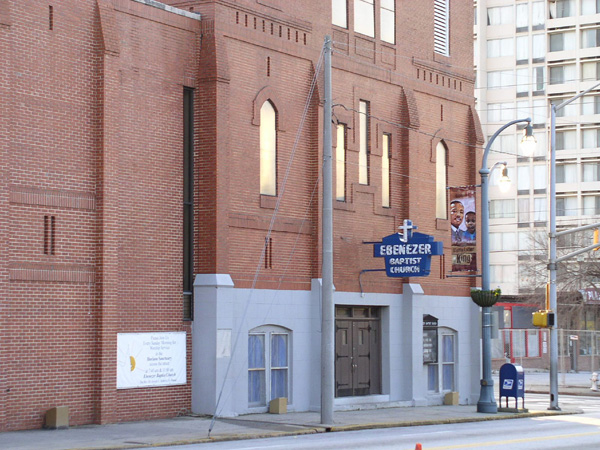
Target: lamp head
pixel 528 142
pixel 504 182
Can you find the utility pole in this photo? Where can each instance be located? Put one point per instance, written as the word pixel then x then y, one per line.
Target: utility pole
pixel 327 324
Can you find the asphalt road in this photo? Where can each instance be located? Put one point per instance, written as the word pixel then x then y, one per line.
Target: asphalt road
pixel 567 432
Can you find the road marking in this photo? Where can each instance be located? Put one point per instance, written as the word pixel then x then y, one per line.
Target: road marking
pixel 574 419
pixel 514 441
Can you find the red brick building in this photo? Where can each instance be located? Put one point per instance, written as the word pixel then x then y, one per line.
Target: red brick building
pixel 151 151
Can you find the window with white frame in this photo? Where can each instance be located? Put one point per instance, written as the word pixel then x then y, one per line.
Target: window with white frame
pixel 562 41
pixel 566 139
pixel 503 241
pixel 538 47
pixel 499 15
pixel 590 104
pixel 441 179
pixel 524 211
pixel 591 205
pixel 522 44
pixel 590 38
pixel 539 80
pixel 340 163
pixel 539 177
pixel 566 173
pixel 364 17
pixel 339 13
pixel 566 206
pixel 591 171
pixel 268 149
pixel 500 112
pixel 538 15
pixel 563 74
pixel 500 47
pixel 502 273
pixel 539 209
pixel 567 110
pixel 523 178
pixel 500 79
pixel 522 16
pixel 363 148
pixel 522 82
pixel 562 8
pixel 385 170
pixel 590 7
pixel 590 137
pixel 502 208
pixel 540 112
pixel 441 376
pixel 590 71
pixel 441 27
pixel 268 364
pixel 388 21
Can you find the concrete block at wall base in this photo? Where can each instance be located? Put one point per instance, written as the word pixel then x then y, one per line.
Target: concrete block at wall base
pixel 278 406
pixel 57 418
pixel 451 398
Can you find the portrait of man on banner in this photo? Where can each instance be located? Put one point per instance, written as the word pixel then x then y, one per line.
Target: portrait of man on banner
pixel 463 219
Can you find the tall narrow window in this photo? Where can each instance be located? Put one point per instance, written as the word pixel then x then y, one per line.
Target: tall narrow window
pixel 49 235
pixel 339 13
pixel 363 151
pixel 364 17
pixel 385 171
pixel 441 207
pixel 441 27
pixel 268 364
pixel 388 21
pixel 268 149
pixel 340 164
pixel 188 202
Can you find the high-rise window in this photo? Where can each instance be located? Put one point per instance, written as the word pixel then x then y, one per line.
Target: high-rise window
pixel 591 171
pixel 339 13
pixel 562 41
pixel 522 43
pixel 562 8
pixel 500 15
pixel 566 139
pixel 590 7
pixel 340 163
pixel 385 171
pixel 590 104
pixel 500 47
pixel 441 27
pixel 538 15
pixel 441 181
pixel 522 16
pixel 364 17
pixel 268 149
pixel 590 137
pixel 388 21
pixel 500 79
pixel 563 74
pixel 590 71
pixel 590 38
pixel 363 150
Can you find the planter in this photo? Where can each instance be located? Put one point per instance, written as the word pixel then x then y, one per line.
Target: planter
pixel 485 298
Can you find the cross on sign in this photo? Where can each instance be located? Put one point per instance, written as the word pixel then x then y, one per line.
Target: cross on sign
pixel 407 229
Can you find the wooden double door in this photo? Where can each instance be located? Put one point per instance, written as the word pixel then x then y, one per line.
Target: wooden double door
pixel 357 351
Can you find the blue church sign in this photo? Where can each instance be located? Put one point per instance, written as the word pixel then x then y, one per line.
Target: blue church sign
pixel 407 254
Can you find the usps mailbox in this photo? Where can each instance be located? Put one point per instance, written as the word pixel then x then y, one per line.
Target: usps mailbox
pixel 512 383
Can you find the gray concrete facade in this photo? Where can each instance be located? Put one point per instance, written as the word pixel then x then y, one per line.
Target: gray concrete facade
pixel 224 316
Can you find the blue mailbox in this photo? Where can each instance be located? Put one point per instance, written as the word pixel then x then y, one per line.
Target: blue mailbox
pixel 512 383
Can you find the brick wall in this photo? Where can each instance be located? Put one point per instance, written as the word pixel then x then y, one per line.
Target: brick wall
pixel 91 202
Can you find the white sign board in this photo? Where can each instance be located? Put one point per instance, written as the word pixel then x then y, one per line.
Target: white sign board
pixel 150 359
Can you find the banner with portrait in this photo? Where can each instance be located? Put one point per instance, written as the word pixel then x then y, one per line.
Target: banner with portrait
pixel 463 229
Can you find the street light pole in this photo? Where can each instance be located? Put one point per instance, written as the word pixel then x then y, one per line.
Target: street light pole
pixel 487 403
pixel 552 256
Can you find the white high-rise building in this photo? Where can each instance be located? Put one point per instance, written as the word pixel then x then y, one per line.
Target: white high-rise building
pixel 529 54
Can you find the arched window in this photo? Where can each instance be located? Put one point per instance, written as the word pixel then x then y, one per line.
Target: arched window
pixel 268 149
pixel 268 364
pixel 441 208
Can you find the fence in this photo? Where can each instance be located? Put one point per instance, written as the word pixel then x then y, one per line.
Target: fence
pixel 578 350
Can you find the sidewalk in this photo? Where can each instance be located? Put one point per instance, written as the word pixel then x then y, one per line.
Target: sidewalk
pixel 190 429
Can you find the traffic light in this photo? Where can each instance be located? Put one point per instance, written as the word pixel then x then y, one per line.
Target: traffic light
pixel 543 319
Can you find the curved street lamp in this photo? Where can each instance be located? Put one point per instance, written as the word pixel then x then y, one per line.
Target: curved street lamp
pixel 487 403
